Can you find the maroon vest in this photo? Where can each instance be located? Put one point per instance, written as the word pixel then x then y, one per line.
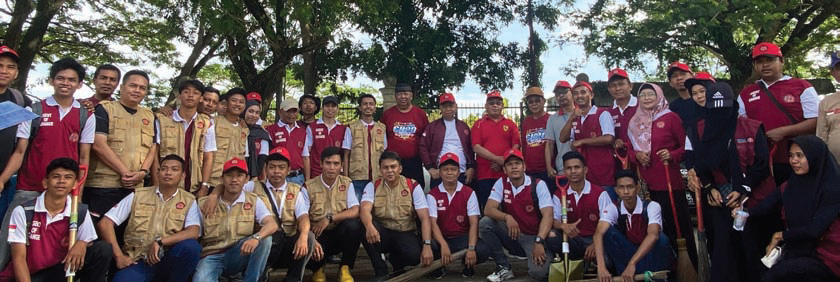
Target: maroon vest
pixel 47 244
pixel 745 143
pixel 452 216
pixel 293 142
pixel 322 138
pixel 56 138
pixel 522 207
pixel 638 230
pixel 587 209
pixel 599 158
pixel 622 122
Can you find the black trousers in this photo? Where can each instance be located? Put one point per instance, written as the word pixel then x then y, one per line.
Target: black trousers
pixel 101 200
pixel 754 240
pixel 403 247
pixel 683 217
pixel 282 255
pixel 345 239
pixel 727 261
pixel 97 259
pixel 801 269
pixel 413 168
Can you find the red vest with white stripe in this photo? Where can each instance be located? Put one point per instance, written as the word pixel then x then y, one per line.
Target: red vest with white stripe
pixel 452 216
pixel 56 138
pixel 323 137
pixel 47 243
pixel 522 206
pixel 586 209
pixel 293 142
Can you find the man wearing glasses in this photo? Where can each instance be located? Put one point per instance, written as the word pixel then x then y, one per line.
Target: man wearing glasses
pixel 533 136
pixel 554 149
pixel 492 136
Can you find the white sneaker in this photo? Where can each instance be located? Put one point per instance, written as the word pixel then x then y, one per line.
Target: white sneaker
pixel 501 274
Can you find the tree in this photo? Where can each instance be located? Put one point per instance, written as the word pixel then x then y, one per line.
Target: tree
pixel 695 31
pixel 546 13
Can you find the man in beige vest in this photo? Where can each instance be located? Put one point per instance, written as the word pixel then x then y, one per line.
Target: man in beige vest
pixel 828 117
pixel 363 143
pixel 231 134
pixel 189 135
pixel 229 244
pixel 391 205
pixel 334 213
pixel 124 146
pixel 163 227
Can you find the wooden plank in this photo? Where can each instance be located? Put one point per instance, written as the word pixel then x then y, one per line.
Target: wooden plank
pixel 420 272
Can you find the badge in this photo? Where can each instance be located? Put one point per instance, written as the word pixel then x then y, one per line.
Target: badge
pixel 74 137
pixel 750 140
pixel 660 124
pixel 763 48
pixel 145 121
pixel 593 217
pixel 460 218
pixel 338 144
pixel 617 124
pixel 378 131
pixel 342 188
pixel 754 96
pixel 247 206
pixel 200 125
pixel 300 144
pixel 505 128
pixel 404 193
pixel 529 208
pixel 290 196
pixel 789 98
pixel 180 205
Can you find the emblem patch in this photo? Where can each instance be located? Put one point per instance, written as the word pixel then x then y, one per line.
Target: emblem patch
pixel 404 193
pixel 593 217
pixel 789 99
pixel 247 206
pixel 529 208
pixel 460 218
pixel 660 124
pixel 180 205
pixel 342 188
pixel 145 121
pixel 200 124
pixel 74 137
pixel 505 128
pixel 290 196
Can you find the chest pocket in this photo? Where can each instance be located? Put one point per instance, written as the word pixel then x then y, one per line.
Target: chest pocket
pixel 213 229
pixel 170 144
pixel 245 225
pixel 223 137
pixel 142 217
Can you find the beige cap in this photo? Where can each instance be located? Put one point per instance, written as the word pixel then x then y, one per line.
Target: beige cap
pixel 288 104
pixel 533 90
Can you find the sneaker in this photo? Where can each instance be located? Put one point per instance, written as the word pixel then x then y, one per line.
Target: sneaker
pixel 319 276
pixel 468 272
pixel 344 274
pixel 501 274
pixel 437 273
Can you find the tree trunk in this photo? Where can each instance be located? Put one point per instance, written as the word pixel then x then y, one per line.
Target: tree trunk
pixel 33 38
pixel 197 58
pixel 533 76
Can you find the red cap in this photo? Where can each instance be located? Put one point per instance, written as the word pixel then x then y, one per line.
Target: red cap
pixel 447 97
pixel 584 84
pixel 282 151
pixel 617 72
pixel 236 163
pixel 495 93
pixel 254 96
pixel 513 153
pixel 680 66
pixel 766 49
pixel 6 51
pixel 562 84
pixel 701 75
pixel 447 157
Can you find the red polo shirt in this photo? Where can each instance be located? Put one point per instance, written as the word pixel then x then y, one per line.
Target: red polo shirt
pixel 495 136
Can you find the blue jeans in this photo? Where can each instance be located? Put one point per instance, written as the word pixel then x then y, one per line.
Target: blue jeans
pixel 620 250
pixel 177 265
pixel 231 262
pixel 298 179
pixel 359 186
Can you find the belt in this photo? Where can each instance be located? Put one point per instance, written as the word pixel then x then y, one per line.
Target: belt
pixel 294 173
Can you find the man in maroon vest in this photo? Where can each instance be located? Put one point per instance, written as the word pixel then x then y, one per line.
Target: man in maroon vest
pixel 58 133
pixel 787 106
pixel 584 203
pixel 290 133
pixel 592 132
pixel 453 208
pixel 624 105
pixel 39 240
pixel 518 217
pixel 630 234
pixel 324 133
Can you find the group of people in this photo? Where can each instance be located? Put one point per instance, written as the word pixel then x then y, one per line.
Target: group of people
pixel 203 189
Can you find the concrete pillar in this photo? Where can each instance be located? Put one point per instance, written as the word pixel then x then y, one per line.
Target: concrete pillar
pixel 388 99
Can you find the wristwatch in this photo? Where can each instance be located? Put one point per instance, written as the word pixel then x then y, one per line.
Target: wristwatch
pixel 427 242
pixel 539 240
pixel 471 247
pixel 159 241
pixel 330 217
pixel 256 236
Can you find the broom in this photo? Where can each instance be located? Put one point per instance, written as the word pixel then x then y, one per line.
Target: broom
pixel 684 268
pixel 74 214
pixel 702 253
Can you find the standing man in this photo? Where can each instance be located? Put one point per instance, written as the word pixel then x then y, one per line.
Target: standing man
pixel 159 218
pixel 191 136
pixel 492 136
pixel 533 136
pixel 684 106
pixel 64 130
pixel 391 205
pixel 290 134
pixel 229 244
pixel 447 134
pixel 787 106
pixel 40 230
pixel 363 143
pixel 593 132
pixel 624 105
pixel 324 133
pixel 554 149
pixel 518 215
pixel 106 78
pixel 334 215
pixel 828 127
pixel 124 146
pixel 8 136
pixel 404 125
pixel 231 134
pixel 309 106
pixel 209 101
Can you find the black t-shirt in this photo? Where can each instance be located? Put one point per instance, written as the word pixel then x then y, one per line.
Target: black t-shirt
pixel 103 120
pixel 8 136
pixel 687 109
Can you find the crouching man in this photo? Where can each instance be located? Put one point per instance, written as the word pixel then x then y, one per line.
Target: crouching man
pixel 229 244
pixel 632 241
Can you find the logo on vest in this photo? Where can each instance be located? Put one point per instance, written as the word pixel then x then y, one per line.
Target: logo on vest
pixel 529 208
pixel 378 131
pixel 505 128
pixel 247 206
pixel 404 193
pixel 789 98
pixel 145 121
pixel 342 188
pixel 466 131
pixel 74 137
pixel 200 125
pixel 660 124
pixel 460 218
pixel 593 217
pixel 338 143
pixel 65 242
pixel 180 205
pixel 300 144
pixel 290 196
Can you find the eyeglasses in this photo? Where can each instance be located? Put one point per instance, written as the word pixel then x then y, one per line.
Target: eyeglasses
pixel 534 100
pixel 646 94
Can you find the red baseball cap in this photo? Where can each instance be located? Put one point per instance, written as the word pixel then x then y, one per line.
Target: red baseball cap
pixel 6 51
pixel 446 97
pixel 495 93
pixel 617 72
pixel 584 84
pixel 513 153
pixel 677 66
pixel 449 157
pixel 236 163
pixel 254 96
pixel 562 84
pixel 766 49
pixel 282 151
pixel 702 75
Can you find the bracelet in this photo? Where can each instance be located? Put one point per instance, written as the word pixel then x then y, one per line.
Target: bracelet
pixel 145 171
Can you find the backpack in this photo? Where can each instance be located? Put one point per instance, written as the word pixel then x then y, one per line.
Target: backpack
pixel 29 211
pixel 621 223
pixel 36 123
pixel 18 97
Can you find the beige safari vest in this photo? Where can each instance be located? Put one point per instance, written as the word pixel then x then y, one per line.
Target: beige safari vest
pixel 393 207
pixel 361 154
pixel 225 227
pixel 172 142
pixel 130 137
pixel 324 200
pixel 230 142
pixel 288 221
pixel 151 218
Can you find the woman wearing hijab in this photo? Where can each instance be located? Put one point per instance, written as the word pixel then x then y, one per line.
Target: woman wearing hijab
pixel 657 136
pixel 810 202
pixel 257 137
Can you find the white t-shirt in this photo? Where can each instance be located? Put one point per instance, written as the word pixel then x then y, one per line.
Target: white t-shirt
pixel 472 201
pixel 452 144
pixel 17 222
pixel 122 210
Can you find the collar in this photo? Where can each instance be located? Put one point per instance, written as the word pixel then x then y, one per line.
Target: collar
pixel 637 210
pixel 457 187
pixel 329 187
pixel 51 102
pixel 240 199
pixel 159 194
pixel 587 187
pixel 40 207
pixel 784 77
pixel 283 124
pixel 272 188
pixel 177 117
pixel 592 110
pixel 321 121
pixel 526 183
pixel 633 103
pixel 487 117
pixel 367 124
